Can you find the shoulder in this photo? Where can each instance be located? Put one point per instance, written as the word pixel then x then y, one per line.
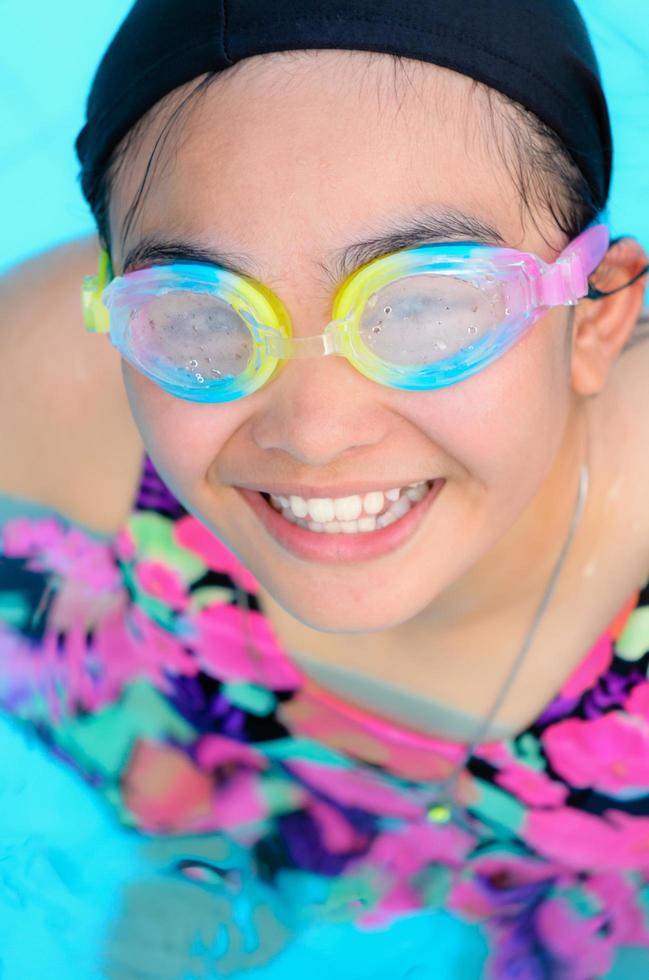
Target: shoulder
pixel 68 437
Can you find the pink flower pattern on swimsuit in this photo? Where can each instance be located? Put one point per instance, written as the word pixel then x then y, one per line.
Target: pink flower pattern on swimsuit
pixel 128 658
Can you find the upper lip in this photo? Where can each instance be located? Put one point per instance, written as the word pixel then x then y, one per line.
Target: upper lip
pixel 341 490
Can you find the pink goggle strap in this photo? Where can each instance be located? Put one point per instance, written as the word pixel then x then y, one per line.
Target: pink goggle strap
pixel 566 280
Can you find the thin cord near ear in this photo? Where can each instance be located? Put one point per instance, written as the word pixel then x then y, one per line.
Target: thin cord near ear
pixel 595 293
pixel 254 655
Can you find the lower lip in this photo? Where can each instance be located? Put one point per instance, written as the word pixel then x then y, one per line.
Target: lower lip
pixel 336 548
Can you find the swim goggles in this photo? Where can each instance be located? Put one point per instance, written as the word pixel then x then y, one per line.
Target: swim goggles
pixel 416 320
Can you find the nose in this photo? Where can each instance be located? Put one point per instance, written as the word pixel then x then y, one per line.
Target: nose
pixel 318 409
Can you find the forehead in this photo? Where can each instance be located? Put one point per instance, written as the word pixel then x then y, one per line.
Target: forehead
pixel 290 156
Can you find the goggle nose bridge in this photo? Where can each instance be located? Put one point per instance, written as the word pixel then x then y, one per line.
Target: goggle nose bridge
pixel 330 341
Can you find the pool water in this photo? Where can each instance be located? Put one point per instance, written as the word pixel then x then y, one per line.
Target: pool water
pixel 55 913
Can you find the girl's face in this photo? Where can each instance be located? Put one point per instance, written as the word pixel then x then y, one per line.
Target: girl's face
pixel 284 163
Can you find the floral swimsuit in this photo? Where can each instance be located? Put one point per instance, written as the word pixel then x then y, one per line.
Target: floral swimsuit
pixel 276 830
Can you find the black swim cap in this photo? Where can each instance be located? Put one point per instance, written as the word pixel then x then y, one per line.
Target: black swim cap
pixel 537 52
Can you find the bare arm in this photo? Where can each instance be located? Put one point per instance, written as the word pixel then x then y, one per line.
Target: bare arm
pixel 63 410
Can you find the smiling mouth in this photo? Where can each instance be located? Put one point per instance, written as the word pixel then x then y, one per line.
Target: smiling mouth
pixel 347 541
pixel 350 515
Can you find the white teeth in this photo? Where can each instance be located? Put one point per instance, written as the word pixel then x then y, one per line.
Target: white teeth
pixel 401 507
pixel 299 506
pixel 367 524
pixel 321 509
pixel 349 527
pixel 345 527
pixel 333 527
pixel 417 492
pixel 348 508
pixel 373 502
pixel 385 519
pixel 350 515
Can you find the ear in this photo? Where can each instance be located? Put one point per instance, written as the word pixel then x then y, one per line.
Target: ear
pixel 603 326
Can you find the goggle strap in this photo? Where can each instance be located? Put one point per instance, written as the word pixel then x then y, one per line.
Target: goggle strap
pixel 566 280
pixel 95 314
pixel 563 282
pixel 594 293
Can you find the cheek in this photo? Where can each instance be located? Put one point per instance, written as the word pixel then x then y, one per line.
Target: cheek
pixel 182 438
pixel 506 423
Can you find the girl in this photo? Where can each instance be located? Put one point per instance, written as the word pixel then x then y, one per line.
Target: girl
pixel 355 639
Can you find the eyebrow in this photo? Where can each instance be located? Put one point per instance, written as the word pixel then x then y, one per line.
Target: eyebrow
pixel 426 227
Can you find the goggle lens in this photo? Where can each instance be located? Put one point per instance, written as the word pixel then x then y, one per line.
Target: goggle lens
pixel 423 320
pixel 198 337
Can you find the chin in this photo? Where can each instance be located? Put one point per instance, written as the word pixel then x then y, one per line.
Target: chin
pixel 342 613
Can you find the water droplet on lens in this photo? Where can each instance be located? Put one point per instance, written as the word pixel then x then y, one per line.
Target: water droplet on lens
pixel 474 309
pixel 199 377
pixel 472 330
pixel 209 360
pixel 439 345
pixel 377 328
pixel 387 310
pixel 217 374
pixel 193 364
pixel 508 311
pixel 372 301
